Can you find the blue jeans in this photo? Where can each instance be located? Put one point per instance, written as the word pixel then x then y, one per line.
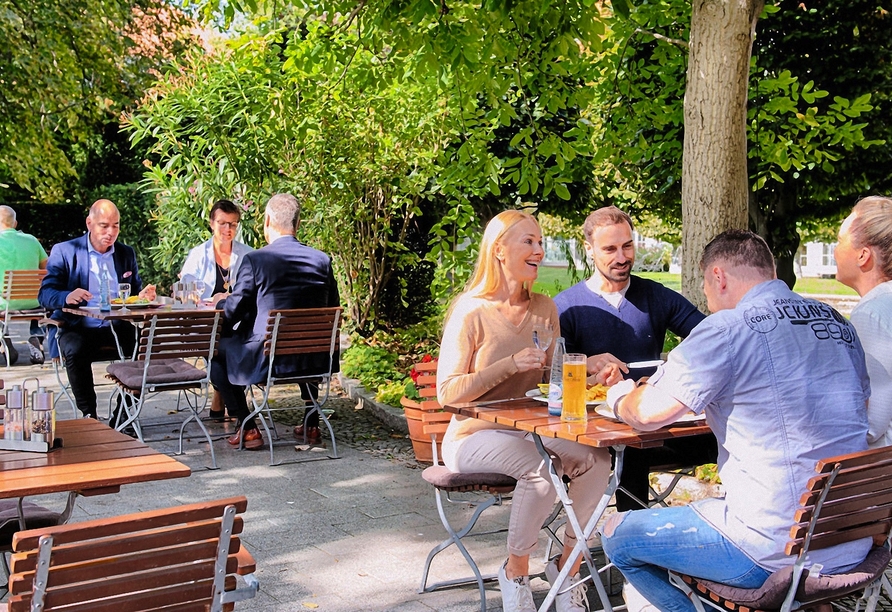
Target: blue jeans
pixel 646 543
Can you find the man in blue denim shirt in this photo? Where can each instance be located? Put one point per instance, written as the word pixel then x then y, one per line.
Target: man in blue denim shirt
pixel 783 383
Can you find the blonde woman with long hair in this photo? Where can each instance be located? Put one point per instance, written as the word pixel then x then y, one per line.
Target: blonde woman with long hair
pixel 487 353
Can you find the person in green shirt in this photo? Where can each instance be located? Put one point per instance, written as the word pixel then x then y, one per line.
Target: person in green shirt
pixel 20 251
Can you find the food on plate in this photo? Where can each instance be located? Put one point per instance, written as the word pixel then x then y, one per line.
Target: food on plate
pixel 543 388
pixel 596 393
pixel 133 299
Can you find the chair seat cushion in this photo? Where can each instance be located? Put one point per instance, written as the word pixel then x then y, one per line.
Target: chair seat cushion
pixel 36 517
pixel 163 371
pixel 443 478
pixel 815 588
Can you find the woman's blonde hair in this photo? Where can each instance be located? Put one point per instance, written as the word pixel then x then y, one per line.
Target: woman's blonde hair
pixel 485 280
pixel 872 227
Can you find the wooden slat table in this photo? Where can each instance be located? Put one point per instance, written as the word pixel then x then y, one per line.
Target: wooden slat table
pixel 94 459
pixel 134 315
pixel 532 416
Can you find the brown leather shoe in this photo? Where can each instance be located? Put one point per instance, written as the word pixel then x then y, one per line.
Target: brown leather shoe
pixel 314 436
pixel 253 439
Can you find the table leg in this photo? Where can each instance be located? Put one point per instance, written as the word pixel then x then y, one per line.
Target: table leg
pixel 582 535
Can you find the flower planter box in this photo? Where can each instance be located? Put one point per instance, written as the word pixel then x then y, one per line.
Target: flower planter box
pixel 425 412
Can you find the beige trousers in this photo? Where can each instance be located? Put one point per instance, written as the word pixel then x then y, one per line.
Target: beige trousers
pixel 514 453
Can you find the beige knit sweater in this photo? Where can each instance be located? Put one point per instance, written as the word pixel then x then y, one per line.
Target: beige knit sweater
pixel 476 356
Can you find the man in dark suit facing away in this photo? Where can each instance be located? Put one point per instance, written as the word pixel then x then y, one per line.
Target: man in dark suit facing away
pixel 283 274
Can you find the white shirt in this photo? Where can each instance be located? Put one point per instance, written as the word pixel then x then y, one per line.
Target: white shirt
pixel 872 318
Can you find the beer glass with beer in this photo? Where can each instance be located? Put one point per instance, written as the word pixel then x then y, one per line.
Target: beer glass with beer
pixel 573 408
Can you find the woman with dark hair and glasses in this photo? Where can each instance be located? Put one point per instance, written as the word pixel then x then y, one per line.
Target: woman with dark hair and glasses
pixel 215 264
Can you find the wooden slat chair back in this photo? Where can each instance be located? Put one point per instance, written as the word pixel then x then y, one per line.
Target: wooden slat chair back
pixel 298 332
pixel 170 349
pixel 182 558
pixel 850 498
pixel 19 285
pixel 447 487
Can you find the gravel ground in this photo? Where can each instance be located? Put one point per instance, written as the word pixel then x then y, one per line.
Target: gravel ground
pixel 353 425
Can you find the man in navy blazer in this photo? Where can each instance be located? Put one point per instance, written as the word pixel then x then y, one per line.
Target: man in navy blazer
pixel 72 280
pixel 283 274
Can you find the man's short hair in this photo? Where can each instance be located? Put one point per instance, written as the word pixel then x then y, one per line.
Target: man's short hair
pixel 7 216
pixel 739 248
pixel 872 227
pixel 609 215
pixel 225 206
pixel 283 211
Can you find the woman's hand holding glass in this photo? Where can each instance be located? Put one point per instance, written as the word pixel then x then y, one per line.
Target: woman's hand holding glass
pixel 529 359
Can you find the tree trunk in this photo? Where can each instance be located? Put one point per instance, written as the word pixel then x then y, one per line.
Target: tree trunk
pixel 714 171
pixel 772 212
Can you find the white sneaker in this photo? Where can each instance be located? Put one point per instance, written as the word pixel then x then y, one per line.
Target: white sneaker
pixel 635 601
pixel 516 593
pixel 573 600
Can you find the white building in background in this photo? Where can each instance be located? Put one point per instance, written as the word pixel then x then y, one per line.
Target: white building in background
pixel 816 260
pixel 649 252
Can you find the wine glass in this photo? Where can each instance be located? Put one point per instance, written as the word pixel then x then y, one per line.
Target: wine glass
pixel 200 286
pixel 123 294
pixel 542 337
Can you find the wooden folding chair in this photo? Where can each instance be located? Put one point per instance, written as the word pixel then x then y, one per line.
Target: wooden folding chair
pixel 487 490
pixel 19 285
pixel 182 558
pixel 295 333
pixel 167 344
pixel 850 499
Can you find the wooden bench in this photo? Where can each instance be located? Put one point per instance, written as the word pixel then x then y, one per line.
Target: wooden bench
pixel 19 285
pixel 181 558
pixel 849 499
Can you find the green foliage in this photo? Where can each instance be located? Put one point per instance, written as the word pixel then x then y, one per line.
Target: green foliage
pixel 67 69
pixel 371 365
pixel 282 112
pixel 390 393
pixel 136 230
pixel 383 360
pixel 708 473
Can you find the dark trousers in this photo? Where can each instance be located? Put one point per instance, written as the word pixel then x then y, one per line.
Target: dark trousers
pixel 678 453
pixel 234 395
pixel 80 346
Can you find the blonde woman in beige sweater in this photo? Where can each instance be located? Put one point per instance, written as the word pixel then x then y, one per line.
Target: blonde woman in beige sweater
pixel 487 353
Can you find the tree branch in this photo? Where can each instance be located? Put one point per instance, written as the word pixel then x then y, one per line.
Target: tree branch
pixel 673 41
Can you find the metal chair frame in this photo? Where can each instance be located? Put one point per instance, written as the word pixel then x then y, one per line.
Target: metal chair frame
pixel 298 331
pixel 177 336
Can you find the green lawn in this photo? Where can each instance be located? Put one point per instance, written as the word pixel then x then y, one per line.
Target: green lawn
pixel 554 280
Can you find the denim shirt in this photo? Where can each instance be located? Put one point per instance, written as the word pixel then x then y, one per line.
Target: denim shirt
pixel 783 384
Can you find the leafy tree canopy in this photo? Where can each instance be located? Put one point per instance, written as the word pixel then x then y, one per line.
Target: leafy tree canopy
pixel 66 69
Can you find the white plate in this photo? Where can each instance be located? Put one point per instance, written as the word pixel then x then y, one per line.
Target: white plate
pixel 605 411
pixel 135 306
pixel 537 395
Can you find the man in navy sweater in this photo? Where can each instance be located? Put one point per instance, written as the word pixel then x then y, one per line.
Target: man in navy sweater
pixel 617 317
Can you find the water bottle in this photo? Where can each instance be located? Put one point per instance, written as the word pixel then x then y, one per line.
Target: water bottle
pixel 556 382
pixel 104 303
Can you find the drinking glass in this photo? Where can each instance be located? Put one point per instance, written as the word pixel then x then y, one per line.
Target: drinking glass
pixel 179 294
pixel 573 408
pixel 200 286
pixel 123 294
pixel 542 337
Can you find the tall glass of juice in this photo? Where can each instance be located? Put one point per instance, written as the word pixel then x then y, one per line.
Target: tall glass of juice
pixel 573 408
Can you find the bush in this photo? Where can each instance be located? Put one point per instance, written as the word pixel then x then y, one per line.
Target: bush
pixel 383 361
